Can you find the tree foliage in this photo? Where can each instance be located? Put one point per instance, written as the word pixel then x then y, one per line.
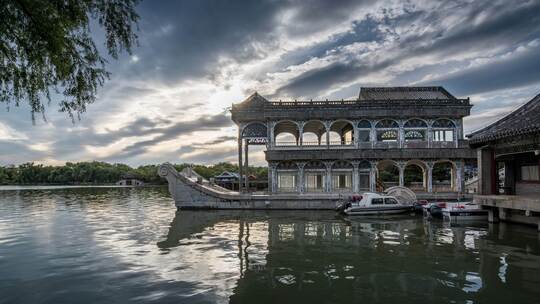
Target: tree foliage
pixel 47 44
pixel 103 173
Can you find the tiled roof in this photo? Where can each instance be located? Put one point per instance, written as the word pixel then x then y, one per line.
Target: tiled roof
pixel 524 120
pixel 226 174
pixel 404 93
pixel 253 100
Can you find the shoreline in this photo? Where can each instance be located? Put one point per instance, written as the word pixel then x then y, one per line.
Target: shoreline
pixel 54 186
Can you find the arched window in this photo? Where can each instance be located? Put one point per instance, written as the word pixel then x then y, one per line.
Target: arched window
pixel 443 130
pixel 415 130
pixel 388 174
pixel 342 176
pixel 286 133
pixel 314 176
pixel 387 130
pixel 313 133
pixel 414 176
pixel 364 169
pixel 344 131
pixel 287 173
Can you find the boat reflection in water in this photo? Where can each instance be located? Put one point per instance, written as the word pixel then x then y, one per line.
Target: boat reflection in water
pixel 317 257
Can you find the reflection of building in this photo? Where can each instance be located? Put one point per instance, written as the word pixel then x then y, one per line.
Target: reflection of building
pixel 346 145
pixel 315 257
pixel 509 164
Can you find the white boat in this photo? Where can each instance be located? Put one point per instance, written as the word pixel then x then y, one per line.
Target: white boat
pixel 375 204
pixel 464 212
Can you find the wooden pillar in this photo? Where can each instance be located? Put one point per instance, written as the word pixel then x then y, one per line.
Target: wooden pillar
pixel 509 177
pixel 486 171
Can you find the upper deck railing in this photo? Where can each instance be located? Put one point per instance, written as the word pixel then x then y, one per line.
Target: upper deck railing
pixel 310 103
pixel 357 103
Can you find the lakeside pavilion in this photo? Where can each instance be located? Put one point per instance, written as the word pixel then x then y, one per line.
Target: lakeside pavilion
pixel 367 144
pixel 509 165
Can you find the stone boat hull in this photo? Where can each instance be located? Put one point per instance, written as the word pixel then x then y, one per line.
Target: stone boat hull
pixel 190 191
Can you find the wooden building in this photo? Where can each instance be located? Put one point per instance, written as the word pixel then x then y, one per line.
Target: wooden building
pixel 508 154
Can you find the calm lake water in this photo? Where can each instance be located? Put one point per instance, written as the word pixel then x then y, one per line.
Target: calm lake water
pixel 117 245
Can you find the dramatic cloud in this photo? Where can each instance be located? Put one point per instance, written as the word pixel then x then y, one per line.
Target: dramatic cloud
pixel 169 100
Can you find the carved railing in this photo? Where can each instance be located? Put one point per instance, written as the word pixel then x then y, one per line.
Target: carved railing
pixel 315 103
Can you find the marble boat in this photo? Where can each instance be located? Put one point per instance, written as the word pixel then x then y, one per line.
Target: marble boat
pixel 191 191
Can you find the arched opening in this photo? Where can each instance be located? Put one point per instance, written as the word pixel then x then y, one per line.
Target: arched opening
pixel 341 133
pixel 364 181
pixel 443 130
pixel 313 133
pixel 414 176
pixel 342 176
pixel 314 177
pixel 415 133
pixel 287 174
pixel 388 174
pixel 443 176
pixel 334 138
pixel 387 132
pixel 286 133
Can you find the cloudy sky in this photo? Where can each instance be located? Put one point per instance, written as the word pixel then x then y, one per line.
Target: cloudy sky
pixel 169 101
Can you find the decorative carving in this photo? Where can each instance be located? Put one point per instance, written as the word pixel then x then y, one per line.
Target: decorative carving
pixel 255 130
pixel 301 165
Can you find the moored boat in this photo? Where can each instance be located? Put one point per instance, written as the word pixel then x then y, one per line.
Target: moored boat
pixel 375 204
pixel 464 212
pixel 433 209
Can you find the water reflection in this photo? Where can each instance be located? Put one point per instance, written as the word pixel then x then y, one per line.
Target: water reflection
pixel 316 257
pixel 121 245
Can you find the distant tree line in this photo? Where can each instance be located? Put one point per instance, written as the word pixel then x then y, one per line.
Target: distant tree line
pixel 104 173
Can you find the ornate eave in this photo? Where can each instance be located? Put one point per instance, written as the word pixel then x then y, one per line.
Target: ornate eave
pixel 523 122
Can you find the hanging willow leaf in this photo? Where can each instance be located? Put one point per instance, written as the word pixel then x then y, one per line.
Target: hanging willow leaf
pixel 47 45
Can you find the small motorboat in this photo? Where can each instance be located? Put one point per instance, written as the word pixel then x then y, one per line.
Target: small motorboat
pixel 465 211
pixel 433 210
pixel 373 204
